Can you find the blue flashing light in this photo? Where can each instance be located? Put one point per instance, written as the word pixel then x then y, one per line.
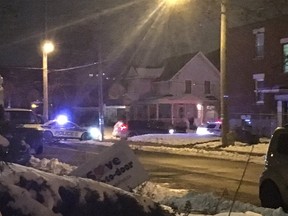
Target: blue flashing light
pixel 62 119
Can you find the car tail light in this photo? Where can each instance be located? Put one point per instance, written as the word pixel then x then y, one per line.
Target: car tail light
pixel 123 127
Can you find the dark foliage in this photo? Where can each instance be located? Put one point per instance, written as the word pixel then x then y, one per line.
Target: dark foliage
pixel 33 185
pixel 5 209
pixel 70 202
pixel 120 205
pixel 17 151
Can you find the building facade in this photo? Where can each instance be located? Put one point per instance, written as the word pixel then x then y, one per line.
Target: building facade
pixel 257 66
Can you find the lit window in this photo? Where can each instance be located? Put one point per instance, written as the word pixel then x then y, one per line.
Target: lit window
pixel 285 57
pixel 259 42
pixel 188 86
pixel 207 87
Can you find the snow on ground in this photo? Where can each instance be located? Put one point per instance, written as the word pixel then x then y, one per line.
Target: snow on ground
pixel 189 203
pixel 208 146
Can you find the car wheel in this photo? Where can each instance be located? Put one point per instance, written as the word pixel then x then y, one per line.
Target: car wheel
pixel 47 137
pixel 131 134
pixel 85 136
pixel 270 196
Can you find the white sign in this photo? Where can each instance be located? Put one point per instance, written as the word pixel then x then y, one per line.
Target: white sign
pixel 117 166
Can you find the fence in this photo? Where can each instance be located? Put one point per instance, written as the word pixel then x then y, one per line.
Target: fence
pixel 262 124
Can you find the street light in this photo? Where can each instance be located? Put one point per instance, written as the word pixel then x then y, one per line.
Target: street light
pixel 47 48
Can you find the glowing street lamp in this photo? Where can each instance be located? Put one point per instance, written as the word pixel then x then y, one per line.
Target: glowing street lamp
pixel 47 48
pixel 172 3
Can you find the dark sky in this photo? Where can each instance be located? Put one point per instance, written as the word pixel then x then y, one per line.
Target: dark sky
pixel 128 30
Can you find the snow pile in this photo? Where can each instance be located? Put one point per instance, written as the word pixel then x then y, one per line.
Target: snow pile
pixel 28 191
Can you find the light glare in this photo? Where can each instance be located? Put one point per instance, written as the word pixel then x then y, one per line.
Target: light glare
pixel 62 119
pixel 171 2
pixel 95 133
pixel 48 47
pixel 174 2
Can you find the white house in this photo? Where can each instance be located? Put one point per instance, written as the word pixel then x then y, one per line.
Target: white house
pixel 187 86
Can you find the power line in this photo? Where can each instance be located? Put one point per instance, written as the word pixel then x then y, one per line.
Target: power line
pixel 60 69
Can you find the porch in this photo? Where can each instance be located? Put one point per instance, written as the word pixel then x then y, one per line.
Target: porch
pixel 174 110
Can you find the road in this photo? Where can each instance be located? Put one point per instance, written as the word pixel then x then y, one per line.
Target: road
pixel 198 174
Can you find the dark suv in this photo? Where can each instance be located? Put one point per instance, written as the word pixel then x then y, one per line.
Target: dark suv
pixel 25 123
pixel 273 187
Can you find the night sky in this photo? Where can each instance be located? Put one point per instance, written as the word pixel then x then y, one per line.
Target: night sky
pixel 137 32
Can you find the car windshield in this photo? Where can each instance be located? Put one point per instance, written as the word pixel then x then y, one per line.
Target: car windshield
pixel 55 124
pixel 21 117
pixel 211 125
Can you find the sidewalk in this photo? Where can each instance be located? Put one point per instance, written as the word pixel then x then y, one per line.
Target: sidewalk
pixel 194 145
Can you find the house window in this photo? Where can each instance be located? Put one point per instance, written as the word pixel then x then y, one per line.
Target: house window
pixel 259 87
pixel 164 110
pixel 152 111
pixel 259 42
pixel 285 57
pixel 188 86
pixel 207 87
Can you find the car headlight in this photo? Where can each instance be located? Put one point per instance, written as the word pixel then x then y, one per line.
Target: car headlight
pixel 94 133
pixel 202 131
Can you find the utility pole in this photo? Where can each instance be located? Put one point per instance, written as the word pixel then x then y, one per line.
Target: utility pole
pixel 47 48
pixel 223 74
pixel 45 86
pixel 100 88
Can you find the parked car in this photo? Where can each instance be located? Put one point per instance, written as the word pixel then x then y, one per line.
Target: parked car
pixel 26 125
pixel 139 127
pixel 54 130
pixel 273 185
pixel 181 125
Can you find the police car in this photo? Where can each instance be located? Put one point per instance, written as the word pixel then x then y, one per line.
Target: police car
pixel 64 129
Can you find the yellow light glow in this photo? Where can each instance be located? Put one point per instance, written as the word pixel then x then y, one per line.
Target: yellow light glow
pixel 48 47
pixel 33 106
pixel 171 2
pixel 174 2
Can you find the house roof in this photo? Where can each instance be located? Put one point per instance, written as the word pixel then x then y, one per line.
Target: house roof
pixel 173 64
pixel 149 72
pixel 171 99
pixel 144 73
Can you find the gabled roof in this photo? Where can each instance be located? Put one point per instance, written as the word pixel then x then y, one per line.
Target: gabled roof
pixel 173 64
pixel 149 72
pixel 143 73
